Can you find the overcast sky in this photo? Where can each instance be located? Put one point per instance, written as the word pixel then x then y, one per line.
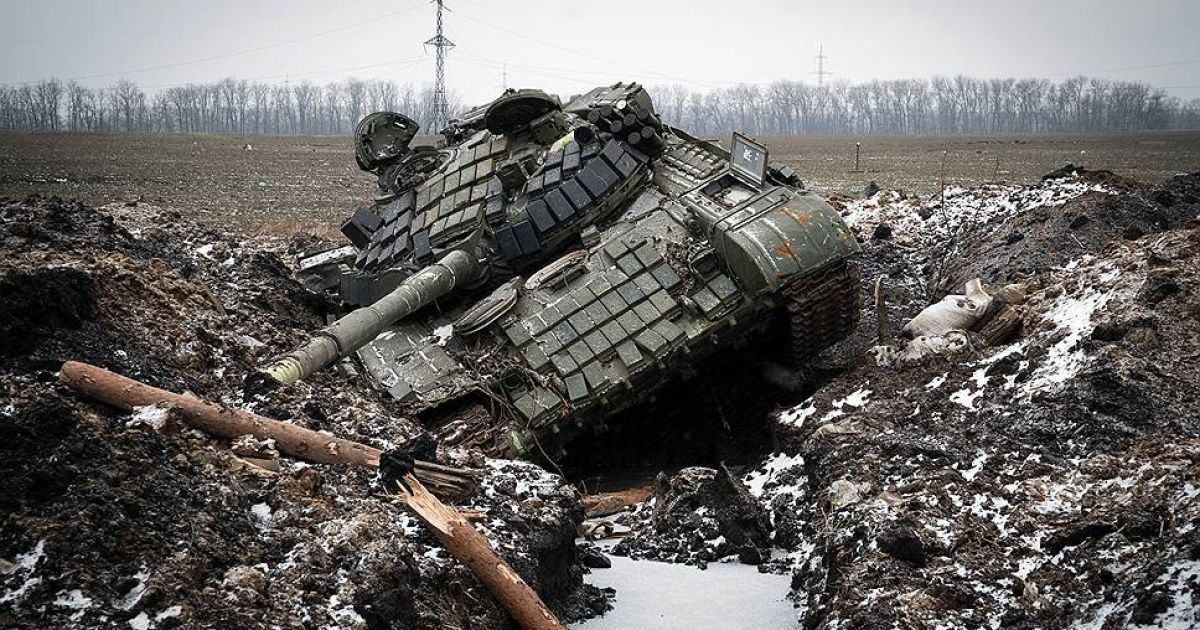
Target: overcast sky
pixel 566 47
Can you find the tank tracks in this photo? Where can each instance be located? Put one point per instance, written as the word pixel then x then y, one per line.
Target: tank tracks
pixel 823 309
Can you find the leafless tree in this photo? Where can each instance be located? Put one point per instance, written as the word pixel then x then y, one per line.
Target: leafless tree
pixel 957 104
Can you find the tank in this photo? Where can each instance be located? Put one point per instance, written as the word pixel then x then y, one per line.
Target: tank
pixel 544 266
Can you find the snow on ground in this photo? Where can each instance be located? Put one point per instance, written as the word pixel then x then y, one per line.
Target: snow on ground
pixel 917 223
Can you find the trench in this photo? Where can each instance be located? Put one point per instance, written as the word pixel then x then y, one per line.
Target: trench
pixel 719 415
pixel 726 596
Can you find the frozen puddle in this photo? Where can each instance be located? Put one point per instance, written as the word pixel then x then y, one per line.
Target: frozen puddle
pixel 669 596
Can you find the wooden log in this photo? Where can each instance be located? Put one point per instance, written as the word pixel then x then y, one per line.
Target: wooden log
pixel 1003 327
pixel 605 503
pixel 125 393
pixel 473 550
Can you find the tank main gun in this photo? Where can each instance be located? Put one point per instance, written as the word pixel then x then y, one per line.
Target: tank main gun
pixel 360 326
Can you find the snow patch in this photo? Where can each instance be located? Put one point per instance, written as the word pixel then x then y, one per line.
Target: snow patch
pixel 153 416
pixel 756 480
pixel 443 334
pixel 1064 359
pixel 262 512
pixel 131 598
pixel 966 398
pixel 796 416
pixel 976 467
pixel 75 600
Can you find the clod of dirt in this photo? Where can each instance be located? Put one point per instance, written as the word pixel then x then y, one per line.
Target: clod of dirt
pixel 38 304
pixel 592 557
pixel 902 543
pixel 701 515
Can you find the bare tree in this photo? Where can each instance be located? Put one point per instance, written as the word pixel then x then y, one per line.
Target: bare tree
pixel 940 105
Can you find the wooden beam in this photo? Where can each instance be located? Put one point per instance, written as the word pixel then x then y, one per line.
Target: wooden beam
pixel 472 549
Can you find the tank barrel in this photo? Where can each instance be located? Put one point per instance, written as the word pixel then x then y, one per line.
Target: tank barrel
pixel 359 327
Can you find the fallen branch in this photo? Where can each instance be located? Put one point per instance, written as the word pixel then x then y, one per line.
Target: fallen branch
pixel 450 527
pixel 125 393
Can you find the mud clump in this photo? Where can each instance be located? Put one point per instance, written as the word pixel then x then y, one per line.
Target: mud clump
pixel 701 515
pixel 114 519
pixel 38 304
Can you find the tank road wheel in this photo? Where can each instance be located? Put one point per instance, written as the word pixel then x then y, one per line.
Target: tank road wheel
pixel 822 310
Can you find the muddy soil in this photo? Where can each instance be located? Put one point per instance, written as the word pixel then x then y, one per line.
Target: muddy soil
pixel 700 515
pixel 301 182
pixel 115 519
pixel 1051 480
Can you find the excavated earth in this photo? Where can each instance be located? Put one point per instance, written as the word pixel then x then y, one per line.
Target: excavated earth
pixel 1049 480
pixel 112 519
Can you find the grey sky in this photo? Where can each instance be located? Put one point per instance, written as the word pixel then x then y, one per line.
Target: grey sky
pixel 567 46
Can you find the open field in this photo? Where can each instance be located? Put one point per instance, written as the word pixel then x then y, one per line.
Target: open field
pixel 914 163
pixel 306 182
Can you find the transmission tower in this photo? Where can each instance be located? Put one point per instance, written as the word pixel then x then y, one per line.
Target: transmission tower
pixel 440 114
pixel 820 71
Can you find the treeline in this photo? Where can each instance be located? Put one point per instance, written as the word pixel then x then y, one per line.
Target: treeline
pixel 227 106
pixel 905 106
pixel 940 105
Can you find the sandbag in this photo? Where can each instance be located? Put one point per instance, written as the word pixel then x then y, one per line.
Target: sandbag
pixel 954 312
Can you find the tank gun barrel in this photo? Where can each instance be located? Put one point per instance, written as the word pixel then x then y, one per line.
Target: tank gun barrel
pixel 359 327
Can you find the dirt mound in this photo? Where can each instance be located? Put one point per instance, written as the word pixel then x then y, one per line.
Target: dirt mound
pixel 1051 236
pixel 114 519
pixel 1044 483
pixel 701 515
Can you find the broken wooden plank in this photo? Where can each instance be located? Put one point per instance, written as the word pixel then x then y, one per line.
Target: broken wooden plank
pixel 606 503
pixel 472 549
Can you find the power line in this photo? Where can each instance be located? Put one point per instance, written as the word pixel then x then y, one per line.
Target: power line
pixel 237 53
pixel 479 61
pixel 591 56
pixel 550 71
pixel 1167 64
pixel 401 63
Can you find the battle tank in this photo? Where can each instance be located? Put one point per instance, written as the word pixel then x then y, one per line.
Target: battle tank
pixel 546 266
